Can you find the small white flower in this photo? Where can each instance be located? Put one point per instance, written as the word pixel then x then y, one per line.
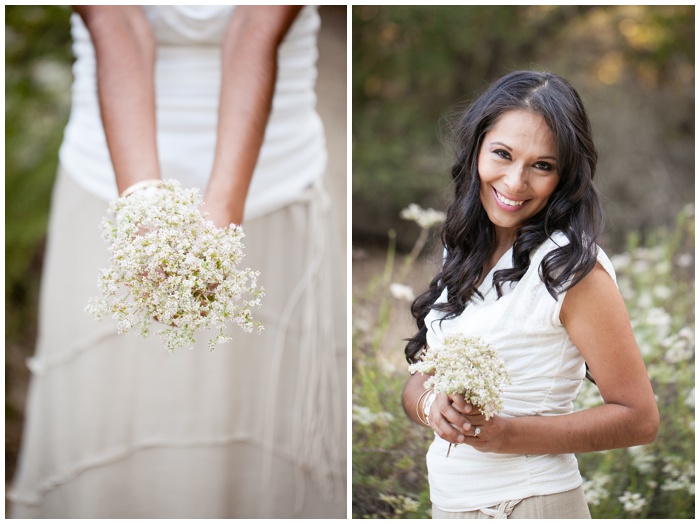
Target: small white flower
pixel 662 292
pixel 400 503
pixel 632 502
pixel 402 292
pixel 679 475
pixel 621 261
pixel 425 218
pixel 642 459
pixel 685 260
pixel 364 416
pixel 595 490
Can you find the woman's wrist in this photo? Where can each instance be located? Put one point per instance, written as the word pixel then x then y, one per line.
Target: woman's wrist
pixel 141 185
pixel 423 405
pixel 224 208
pixel 427 404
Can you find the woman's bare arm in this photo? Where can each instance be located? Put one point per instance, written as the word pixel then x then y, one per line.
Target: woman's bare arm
pixel 249 71
pixel 125 52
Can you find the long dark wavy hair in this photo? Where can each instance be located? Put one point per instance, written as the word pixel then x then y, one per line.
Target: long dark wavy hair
pixel 574 208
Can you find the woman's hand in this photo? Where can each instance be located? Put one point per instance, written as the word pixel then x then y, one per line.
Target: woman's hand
pixel 450 418
pixel 459 422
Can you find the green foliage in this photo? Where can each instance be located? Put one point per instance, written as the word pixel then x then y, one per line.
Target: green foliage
pixel 37 85
pixel 656 278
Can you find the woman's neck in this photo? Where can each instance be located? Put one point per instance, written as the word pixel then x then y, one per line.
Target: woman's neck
pixel 505 238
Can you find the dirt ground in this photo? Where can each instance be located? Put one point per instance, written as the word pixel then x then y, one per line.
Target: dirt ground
pixel 368 268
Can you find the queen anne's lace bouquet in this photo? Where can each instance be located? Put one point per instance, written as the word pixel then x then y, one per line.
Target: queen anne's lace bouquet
pixel 466 366
pixel 168 263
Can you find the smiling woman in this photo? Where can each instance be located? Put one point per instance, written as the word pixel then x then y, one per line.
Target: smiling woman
pixel 522 272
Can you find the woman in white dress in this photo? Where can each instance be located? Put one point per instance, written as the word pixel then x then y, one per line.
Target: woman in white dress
pixel 523 272
pixel 220 98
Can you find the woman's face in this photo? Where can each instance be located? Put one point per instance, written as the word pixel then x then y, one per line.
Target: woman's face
pixel 518 170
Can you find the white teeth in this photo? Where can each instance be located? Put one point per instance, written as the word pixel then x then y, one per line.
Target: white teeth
pixel 509 202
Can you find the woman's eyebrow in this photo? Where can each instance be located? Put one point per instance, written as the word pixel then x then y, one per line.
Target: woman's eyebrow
pixel 546 157
pixel 501 144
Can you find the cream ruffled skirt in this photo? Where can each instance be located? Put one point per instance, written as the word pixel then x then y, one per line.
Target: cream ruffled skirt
pixel 117 427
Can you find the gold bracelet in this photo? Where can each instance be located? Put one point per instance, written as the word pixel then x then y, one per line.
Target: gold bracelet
pixel 143 184
pixel 419 410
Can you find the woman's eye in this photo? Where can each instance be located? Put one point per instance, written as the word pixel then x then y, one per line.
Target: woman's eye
pixel 544 166
pixel 502 153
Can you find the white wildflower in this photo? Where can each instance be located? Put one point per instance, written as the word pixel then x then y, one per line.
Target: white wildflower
pixel 645 300
pixel 364 416
pixel 632 502
pixel 680 346
pixel 466 366
pixel 642 459
pixel 659 319
pixel 595 489
pixel 402 292
pixel 685 260
pixel 621 261
pixel 425 218
pixel 640 266
pixel 679 476
pixel 400 503
pixel 170 264
pixel 662 292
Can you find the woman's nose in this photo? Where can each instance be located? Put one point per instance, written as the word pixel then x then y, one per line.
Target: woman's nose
pixel 516 177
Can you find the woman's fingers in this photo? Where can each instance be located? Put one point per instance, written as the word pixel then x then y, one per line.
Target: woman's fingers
pixel 447 421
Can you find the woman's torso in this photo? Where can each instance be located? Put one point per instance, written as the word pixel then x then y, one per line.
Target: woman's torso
pixel 187 80
pixel 546 371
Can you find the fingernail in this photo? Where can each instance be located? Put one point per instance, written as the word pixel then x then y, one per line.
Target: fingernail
pixel 467 426
pixel 461 438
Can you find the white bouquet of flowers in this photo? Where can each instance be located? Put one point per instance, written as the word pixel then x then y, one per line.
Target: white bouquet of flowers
pixel 169 264
pixel 466 366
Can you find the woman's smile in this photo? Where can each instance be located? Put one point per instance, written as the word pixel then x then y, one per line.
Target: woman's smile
pixel 507 203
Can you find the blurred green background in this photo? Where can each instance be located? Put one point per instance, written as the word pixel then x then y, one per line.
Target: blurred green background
pixel 37 98
pixel 413 66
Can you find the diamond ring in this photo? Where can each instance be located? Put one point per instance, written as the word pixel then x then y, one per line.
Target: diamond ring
pixel 477 430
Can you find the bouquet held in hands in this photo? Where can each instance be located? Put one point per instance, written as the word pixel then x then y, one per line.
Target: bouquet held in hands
pixel 468 367
pixel 168 263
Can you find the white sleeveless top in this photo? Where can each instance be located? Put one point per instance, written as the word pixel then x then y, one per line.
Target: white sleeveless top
pixel 187 81
pixel 546 371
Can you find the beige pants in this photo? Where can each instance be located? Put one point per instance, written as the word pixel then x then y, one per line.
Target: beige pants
pixel 567 505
